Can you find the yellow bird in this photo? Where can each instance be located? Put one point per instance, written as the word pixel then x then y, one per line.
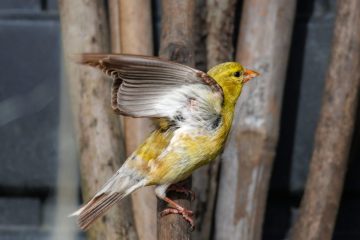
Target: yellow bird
pixel 194 109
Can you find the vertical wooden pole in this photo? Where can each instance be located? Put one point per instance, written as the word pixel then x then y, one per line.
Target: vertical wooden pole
pixel 200 33
pixel 114 19
pixel 84 29
pixel 201 177
pixel 333 135
pixel 263 44
pixel 220 31
pixel 176 45
pixel 136 38
pixel 217 31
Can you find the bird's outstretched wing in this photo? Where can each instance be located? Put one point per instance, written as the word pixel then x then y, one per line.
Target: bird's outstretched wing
pixel 151 87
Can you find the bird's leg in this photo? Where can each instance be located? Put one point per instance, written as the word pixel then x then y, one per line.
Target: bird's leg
pixel 160 191
pixel 180 189
pixel 177 209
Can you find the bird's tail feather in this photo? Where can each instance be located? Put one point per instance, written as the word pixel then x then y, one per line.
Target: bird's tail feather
pixel 120 185
pixel 95 208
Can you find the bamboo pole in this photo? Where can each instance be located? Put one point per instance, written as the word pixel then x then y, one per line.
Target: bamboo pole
pixel 263 44
pixel 200 34
pixel 220 31
pixel 218 18
pixel 136 38
pixel 84 29
pixel 334 132
pixel 200 178
pixel 177 44
pixel 114 19
pixel 202 184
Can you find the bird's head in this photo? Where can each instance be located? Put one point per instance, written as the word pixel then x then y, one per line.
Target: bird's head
pixel 231 76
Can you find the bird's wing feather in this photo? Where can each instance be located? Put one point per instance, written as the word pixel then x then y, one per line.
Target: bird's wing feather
pixel 151 87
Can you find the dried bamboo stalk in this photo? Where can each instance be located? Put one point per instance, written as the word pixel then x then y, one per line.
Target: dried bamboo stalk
pixel 220 31
pixel 334 132
pixel 201 176
pixel 84 29
pixel 263 45
pixel 114 19
pixel 218 18
pixel 177 44
pixel 200 35
pixel 136 38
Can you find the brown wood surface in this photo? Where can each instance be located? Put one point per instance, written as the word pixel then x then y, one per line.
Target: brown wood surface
pixel 200 33
pixel 114 20
pixel 220 31
pixel 84 29
pixel 136 38
pixel 177 44
pixel 201 176
pixel 333 135
pixel 212 17
pixel 263 45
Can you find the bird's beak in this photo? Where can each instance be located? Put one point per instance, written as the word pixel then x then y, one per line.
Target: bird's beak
pixel 249 74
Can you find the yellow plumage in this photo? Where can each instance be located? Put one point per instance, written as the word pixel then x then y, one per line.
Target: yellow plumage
pixel 194 112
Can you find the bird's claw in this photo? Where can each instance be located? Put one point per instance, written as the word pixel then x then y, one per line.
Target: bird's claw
pixel 181 189
pixel 186 214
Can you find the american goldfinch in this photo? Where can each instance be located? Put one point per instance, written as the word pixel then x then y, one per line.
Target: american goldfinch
pixel 194 109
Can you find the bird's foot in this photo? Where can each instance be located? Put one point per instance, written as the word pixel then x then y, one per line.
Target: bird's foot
pixel 180 189
pixel 177 209
pixel 186 214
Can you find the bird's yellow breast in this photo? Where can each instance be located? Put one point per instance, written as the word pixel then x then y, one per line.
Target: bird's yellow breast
pixel 172 155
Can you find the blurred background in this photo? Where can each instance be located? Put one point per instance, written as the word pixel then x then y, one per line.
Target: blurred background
pixel 39 169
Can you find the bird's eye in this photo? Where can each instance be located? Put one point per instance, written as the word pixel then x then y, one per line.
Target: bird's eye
pixel 237 74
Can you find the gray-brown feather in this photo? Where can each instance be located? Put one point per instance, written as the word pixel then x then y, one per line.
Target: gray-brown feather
pixel 143 86
pixel 96 208
pixel 121 184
